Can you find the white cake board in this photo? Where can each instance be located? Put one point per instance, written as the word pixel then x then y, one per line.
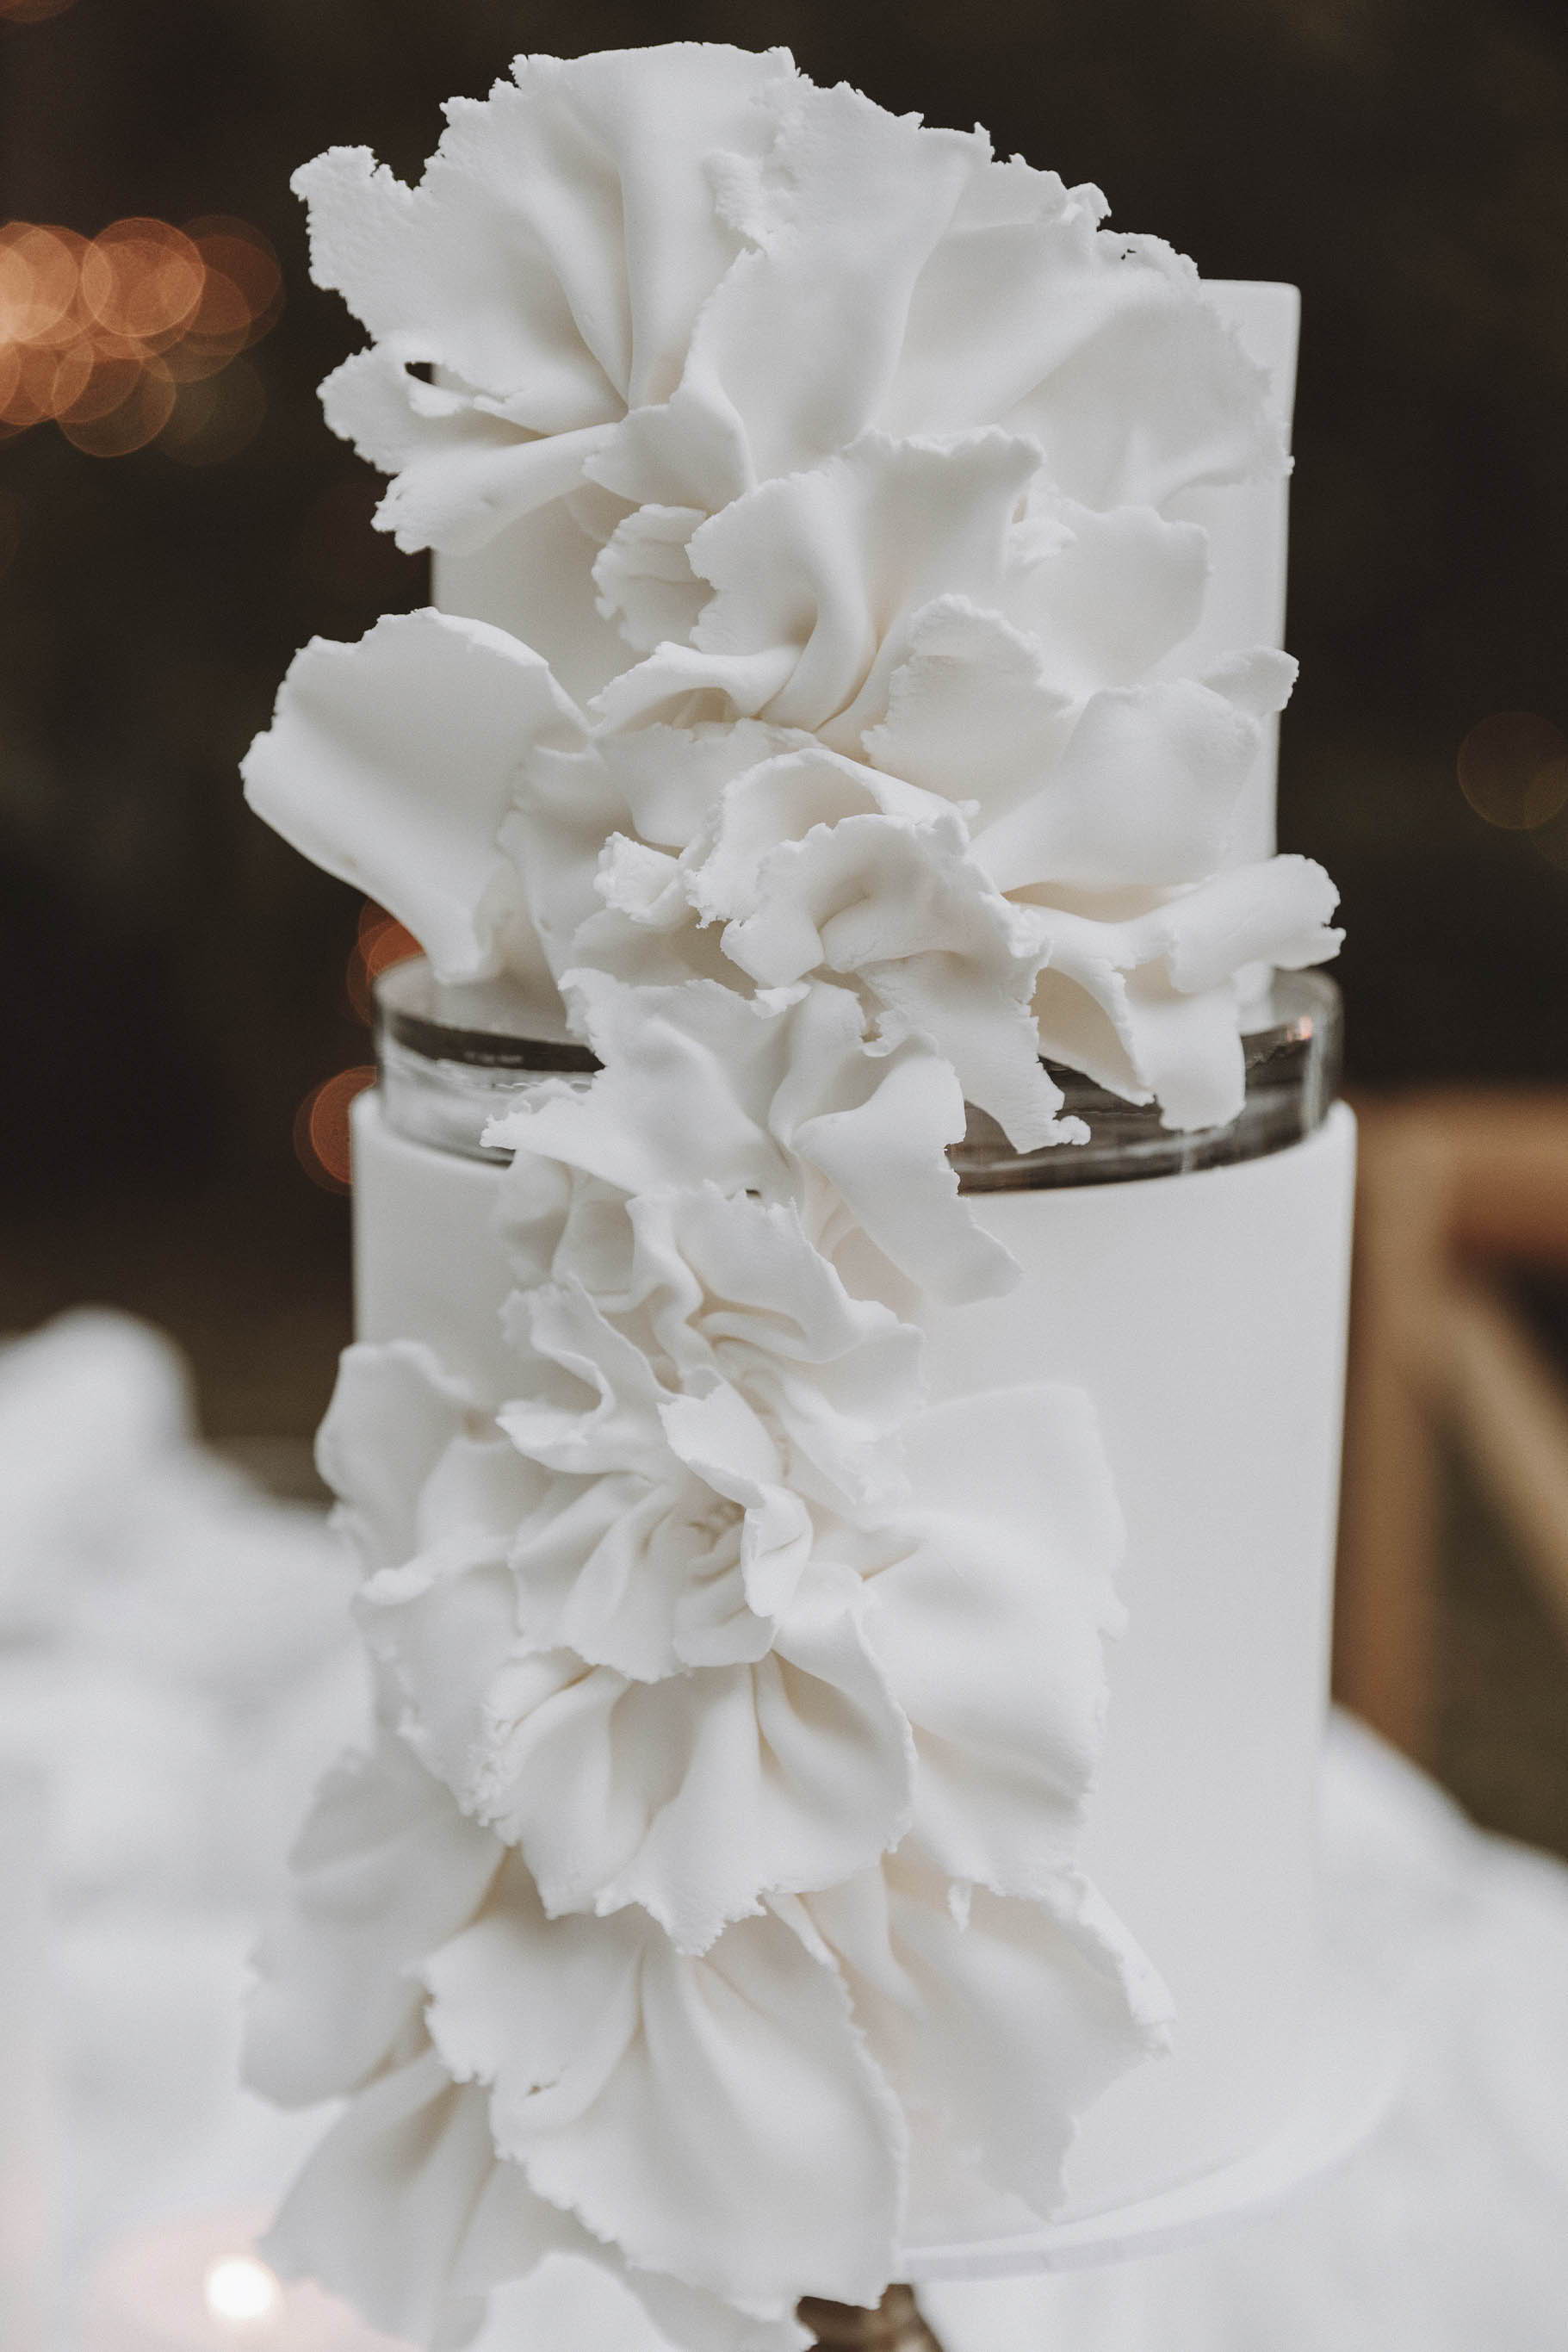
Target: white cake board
pixel 1352 2073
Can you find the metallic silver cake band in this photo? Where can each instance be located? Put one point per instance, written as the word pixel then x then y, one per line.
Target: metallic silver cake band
pixel 452 1058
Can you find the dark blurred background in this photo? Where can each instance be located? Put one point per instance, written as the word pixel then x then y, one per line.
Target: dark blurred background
pixel 174 980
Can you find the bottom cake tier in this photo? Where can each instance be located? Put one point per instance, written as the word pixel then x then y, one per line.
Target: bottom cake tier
pixel 1205 1313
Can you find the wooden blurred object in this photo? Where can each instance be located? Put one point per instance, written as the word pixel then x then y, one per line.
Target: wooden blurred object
pixel 896 2326
pixel 1512 1405
pixel 1451 1184
pixel 1384 1603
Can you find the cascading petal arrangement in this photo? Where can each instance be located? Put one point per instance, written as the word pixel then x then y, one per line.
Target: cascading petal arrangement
pixel 614 262
pixel 711 1903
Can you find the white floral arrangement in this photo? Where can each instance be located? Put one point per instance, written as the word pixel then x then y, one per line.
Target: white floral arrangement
pixel 710 1903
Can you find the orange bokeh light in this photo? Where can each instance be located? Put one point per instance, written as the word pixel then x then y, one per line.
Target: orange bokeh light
pixel 321 1127
pixel 1513 770
pixel 143 279
pixel 241 255
pixel 97 333
pixel 134 419
pixel 88 385
pixel 383 941
pixel 26 380
pixel 39 272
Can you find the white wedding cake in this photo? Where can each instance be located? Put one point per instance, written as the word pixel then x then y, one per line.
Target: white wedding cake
pixel 850 1652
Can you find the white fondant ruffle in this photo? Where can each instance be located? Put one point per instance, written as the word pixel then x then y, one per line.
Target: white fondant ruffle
pixel 550 264
pixel 406 2209
pixel 613 263
pixel 396 763
pixel 781 1094
pixel 384 1872
pixel 715 2118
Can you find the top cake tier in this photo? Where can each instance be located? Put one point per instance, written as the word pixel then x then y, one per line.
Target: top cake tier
pixel 852 558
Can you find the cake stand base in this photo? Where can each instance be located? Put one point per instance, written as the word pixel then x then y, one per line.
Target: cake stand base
pixel 1353 2070
pixel 896 2326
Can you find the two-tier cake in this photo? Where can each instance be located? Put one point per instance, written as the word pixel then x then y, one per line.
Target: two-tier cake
pixel 852 1238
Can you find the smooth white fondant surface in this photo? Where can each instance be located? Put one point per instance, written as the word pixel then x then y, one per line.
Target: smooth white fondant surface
pixel 1248 526
pixel 426 1264
pixel 1206 1315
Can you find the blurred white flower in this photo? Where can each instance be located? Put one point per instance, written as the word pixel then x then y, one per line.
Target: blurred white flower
pixel 175 1649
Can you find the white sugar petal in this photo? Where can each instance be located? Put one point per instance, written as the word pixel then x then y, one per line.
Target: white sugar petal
pixel 971 710
pixel 696 1796
pixel 382 2212
pixel 781 1094
pixel 645 581
pixel 407 2212
pixel 460 471
pixel 394 1411
pixel 394 763
pixel 1145 793
pixel 1148 1004
pixel 550 264
pixel 823 865
pixel 385 1869
pixel 716 2117
pixel 1141 319
pixel 1105 596
pixel 843 216
pixel 1002 2023
pixel 818 576
pixel 1276 912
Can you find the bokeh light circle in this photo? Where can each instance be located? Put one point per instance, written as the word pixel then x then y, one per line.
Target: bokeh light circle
pixel 321 1127
pixel 144 280
pixel 382 941
pixel 39 272
pixel 239 2289
pixel 1513 770
pixel 135 419
pixel 98 333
